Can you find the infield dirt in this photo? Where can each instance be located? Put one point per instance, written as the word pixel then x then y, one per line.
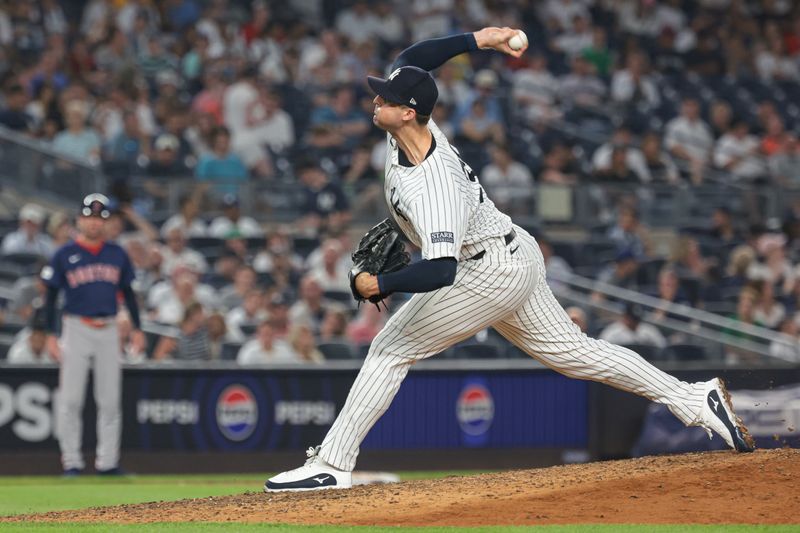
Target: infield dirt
pixel 700 488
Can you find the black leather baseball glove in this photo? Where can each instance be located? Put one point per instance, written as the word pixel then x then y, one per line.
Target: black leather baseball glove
pixel 380 250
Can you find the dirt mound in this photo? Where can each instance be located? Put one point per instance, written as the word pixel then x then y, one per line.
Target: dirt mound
pixel 716 487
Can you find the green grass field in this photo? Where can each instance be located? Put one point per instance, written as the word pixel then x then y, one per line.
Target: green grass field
pixel 21 495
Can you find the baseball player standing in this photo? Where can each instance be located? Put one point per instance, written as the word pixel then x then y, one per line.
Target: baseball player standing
pixel 478 270
pixel 91 273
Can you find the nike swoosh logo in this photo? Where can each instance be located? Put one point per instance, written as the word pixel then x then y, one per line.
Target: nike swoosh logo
pixel 74 259
pixel 514 250
pixel 320 480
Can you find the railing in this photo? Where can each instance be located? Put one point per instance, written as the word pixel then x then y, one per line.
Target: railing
pixel 34 169
pixel 707 329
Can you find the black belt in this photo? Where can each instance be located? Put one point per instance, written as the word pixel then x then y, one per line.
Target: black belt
pixel 509 238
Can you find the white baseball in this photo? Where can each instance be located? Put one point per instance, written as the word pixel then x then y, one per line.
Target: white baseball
pixel 519 41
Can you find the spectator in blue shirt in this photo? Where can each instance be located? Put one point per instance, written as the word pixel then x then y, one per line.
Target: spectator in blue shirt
pixel 343 115
pixel 221 166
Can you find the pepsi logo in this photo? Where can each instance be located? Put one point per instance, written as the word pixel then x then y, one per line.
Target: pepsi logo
pixel 237 412
pixel 475 409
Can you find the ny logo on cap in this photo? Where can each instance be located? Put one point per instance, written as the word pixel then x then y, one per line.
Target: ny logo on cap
pixel 394 74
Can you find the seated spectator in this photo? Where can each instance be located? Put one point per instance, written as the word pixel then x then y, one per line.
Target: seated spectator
pixel 556 267
pixel 633 85
pixel 77 140
pixel 661 169
pixel 233 295
pixel 479 127
pixel 28 293
pixel 581 88
pixel 265 349
pixel 122 155
pixel 222 167
pixel 720 118
pixel 250 313
pixel 775 267
pixel 232 220
pixel 687 259
pixel 578 317
pixel 787 349
pixel 634 159
pixel 367 324
pixel 171 308
pixel 14 116
pixel 331 274
pixel 278 242
pixel 187 219
pixel 343 116
pixel 630 234
pixel 768 311
pixel 507 182
pixel 670 291
pixel 166 163
pixel 621 272
pixel 484 90
pixel 738 152
pixel 301 341
pixel 192 342
pixel 363 183
pixel 618 171
pixel 745 314
pixel 177 252
pixel 217 335
pixel 689 139
pixel 451 86
pixel 740 261
pixel 60 229
pixel 268 127
pixel 784 164
pixel 598 54
pixel 535 91
pixel 278 315
pixel 334 324
pixel 630 329
pixel 575 39
pixel 30 347
pixel 29 238
pixel 722 229
pixel 775 135
pixel 560 166
pixel 310 307
pixel 325 204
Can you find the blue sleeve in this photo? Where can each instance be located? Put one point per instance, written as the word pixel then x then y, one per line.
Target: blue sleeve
pixel 133 306
pixel 50 309
pixel 433 53
pixel 422 276
pixel 126 273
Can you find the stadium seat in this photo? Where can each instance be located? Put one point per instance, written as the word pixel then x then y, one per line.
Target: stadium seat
pixel 248 329
pixel 230 350
pixel 336 350
pixel 684 352
pixel 647 351
pixel 303 246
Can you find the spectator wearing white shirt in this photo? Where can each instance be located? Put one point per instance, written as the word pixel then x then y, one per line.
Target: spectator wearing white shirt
pixel 534 90
pixel 265 349
pixel 331 273
pixel 634 158
pixel 232 221
pixel 563 12
pixel 187 219
pixel 29 238
pixel 509 183
pixel 30 348
pixel 250 313
pixel 239 99
pixel 358 22
pixel 581 87
pixel 176 252
pixel 632 85
pixel 574 40
pixel 244 281
pixel 630 330
pixel 390 26
pixel 784 348
pixel 687 137
pixel 738 152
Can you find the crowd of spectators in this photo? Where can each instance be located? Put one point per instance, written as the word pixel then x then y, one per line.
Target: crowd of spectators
pixel 613 93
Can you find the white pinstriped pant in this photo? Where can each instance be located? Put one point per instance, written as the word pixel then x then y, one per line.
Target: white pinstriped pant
pixel 508 292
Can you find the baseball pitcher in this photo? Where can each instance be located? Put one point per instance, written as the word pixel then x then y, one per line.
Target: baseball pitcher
pixel 92 273
pixel 478 270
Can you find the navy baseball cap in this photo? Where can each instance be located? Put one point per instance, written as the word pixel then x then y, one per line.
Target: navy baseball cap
pixel 96 205
pixel 409 86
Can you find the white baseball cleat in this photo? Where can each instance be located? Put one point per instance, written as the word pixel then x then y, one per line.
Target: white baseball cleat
pixel 316 474
pixel 718 415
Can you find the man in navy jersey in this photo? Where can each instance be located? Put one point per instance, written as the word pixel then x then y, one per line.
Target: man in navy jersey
pixel 92 273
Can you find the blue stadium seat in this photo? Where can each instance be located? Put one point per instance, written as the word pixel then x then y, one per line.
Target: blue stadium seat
pixel 230 350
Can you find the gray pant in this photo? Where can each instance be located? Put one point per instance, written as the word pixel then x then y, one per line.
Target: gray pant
pixel 85 347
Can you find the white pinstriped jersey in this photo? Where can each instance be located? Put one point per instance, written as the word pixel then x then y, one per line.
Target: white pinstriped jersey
pixel 439 204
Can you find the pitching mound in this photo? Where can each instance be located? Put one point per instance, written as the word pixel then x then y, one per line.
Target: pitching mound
pixel 717 487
